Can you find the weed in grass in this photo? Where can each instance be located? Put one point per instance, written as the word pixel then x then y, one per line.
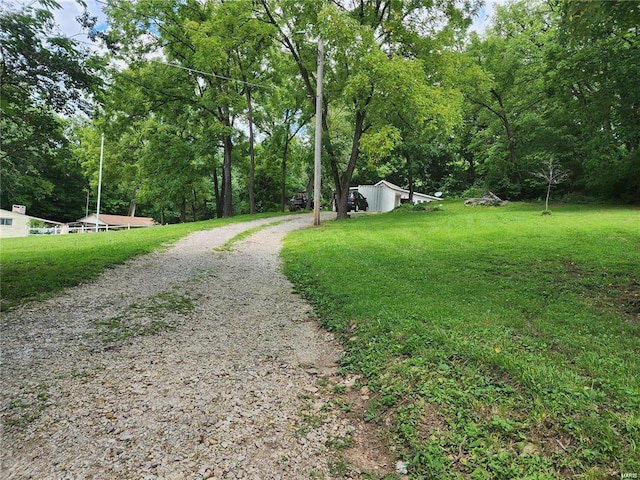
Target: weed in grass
pixel 340 389
pixel 339 467
pixel 343 405
pixel 27 408
pixel 339 443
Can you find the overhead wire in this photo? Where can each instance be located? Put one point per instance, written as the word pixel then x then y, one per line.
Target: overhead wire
pixel 200 72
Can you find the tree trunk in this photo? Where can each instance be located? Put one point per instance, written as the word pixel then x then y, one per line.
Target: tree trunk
pixel 546 202
pixel 283 168
pixel 252 156
pixel 410 171
pixel 183 210
pixel 513 156
pixel 343 181
pixel 216 193
pixel 227 208
pixel 194 206
pixel 309 191
pixel 471 171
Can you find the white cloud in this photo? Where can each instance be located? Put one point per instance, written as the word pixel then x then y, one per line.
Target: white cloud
pixel 485 15
pixel 65 17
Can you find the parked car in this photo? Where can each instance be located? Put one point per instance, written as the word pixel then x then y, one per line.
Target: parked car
pixel 299 202
pixel 356 201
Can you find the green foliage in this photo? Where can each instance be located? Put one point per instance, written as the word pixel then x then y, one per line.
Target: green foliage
pixel 495 343
pixel 44 75
pixel 385 77
pixel 419 207
pixel 541 83
pixel 380 144
pixel 406 98
pixel 474 192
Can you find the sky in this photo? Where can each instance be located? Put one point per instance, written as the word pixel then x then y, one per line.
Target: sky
pixel 486 12
pixel 66 16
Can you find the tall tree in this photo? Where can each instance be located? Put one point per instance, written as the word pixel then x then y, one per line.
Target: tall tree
pixel 214 42
pixel 596 68
pixel 157 148
pixel 42 74
pixel 370 47
pixel 283 114
pixel 512 93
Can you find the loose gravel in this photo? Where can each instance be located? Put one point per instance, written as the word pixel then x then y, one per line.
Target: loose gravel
pixel 188 363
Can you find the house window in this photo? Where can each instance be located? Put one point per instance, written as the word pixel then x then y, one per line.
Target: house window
pixel 6 221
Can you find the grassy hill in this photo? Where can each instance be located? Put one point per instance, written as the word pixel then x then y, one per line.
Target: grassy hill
pixel 494 342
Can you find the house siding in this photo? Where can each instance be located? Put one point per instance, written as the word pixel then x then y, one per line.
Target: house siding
pixel 19 224
pixel 379 197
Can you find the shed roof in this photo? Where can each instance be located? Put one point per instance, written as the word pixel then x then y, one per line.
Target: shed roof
pixel 398 189
pixel 118 220
pixel 10 214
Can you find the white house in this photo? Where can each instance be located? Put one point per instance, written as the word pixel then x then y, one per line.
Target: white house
pixel 385 196
pixel 16 223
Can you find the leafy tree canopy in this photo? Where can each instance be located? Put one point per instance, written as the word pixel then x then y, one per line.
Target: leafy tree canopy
pixel 43 74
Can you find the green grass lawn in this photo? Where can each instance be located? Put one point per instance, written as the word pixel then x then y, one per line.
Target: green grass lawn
pixel 35 267
pixel 497 343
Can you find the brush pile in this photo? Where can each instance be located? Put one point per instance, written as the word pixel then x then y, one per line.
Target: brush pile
pixel 488 199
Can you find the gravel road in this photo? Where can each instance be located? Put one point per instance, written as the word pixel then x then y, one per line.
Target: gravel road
pixel 188 363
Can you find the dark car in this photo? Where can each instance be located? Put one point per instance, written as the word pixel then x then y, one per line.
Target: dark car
pixel 356 201
pixel 299 202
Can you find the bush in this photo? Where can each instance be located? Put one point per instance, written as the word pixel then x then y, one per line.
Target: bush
pixel 418 207
pixel 581 198
pixel 474 191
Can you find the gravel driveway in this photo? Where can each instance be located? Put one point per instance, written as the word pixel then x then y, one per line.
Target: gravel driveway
pixel 187 363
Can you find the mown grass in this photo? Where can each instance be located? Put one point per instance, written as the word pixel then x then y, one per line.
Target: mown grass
pixel 35 267
pixel 497 343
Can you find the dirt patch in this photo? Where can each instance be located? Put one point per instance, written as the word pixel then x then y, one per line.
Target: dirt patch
pixel 628 302
pixel 367 451
pixel 625 299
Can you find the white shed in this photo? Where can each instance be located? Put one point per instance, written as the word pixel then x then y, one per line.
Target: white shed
pixel 16 223
pixel 385 196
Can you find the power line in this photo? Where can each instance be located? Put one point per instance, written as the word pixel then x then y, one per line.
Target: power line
pixel 200 72
pixel 192 70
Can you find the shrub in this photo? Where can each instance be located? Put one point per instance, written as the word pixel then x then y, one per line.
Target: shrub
pixel 474 191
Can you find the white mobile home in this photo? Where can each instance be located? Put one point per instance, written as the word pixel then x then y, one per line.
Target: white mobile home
pixel 385 196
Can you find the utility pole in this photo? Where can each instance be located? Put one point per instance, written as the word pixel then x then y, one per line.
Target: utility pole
pixel 99 181
pixel 318 143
